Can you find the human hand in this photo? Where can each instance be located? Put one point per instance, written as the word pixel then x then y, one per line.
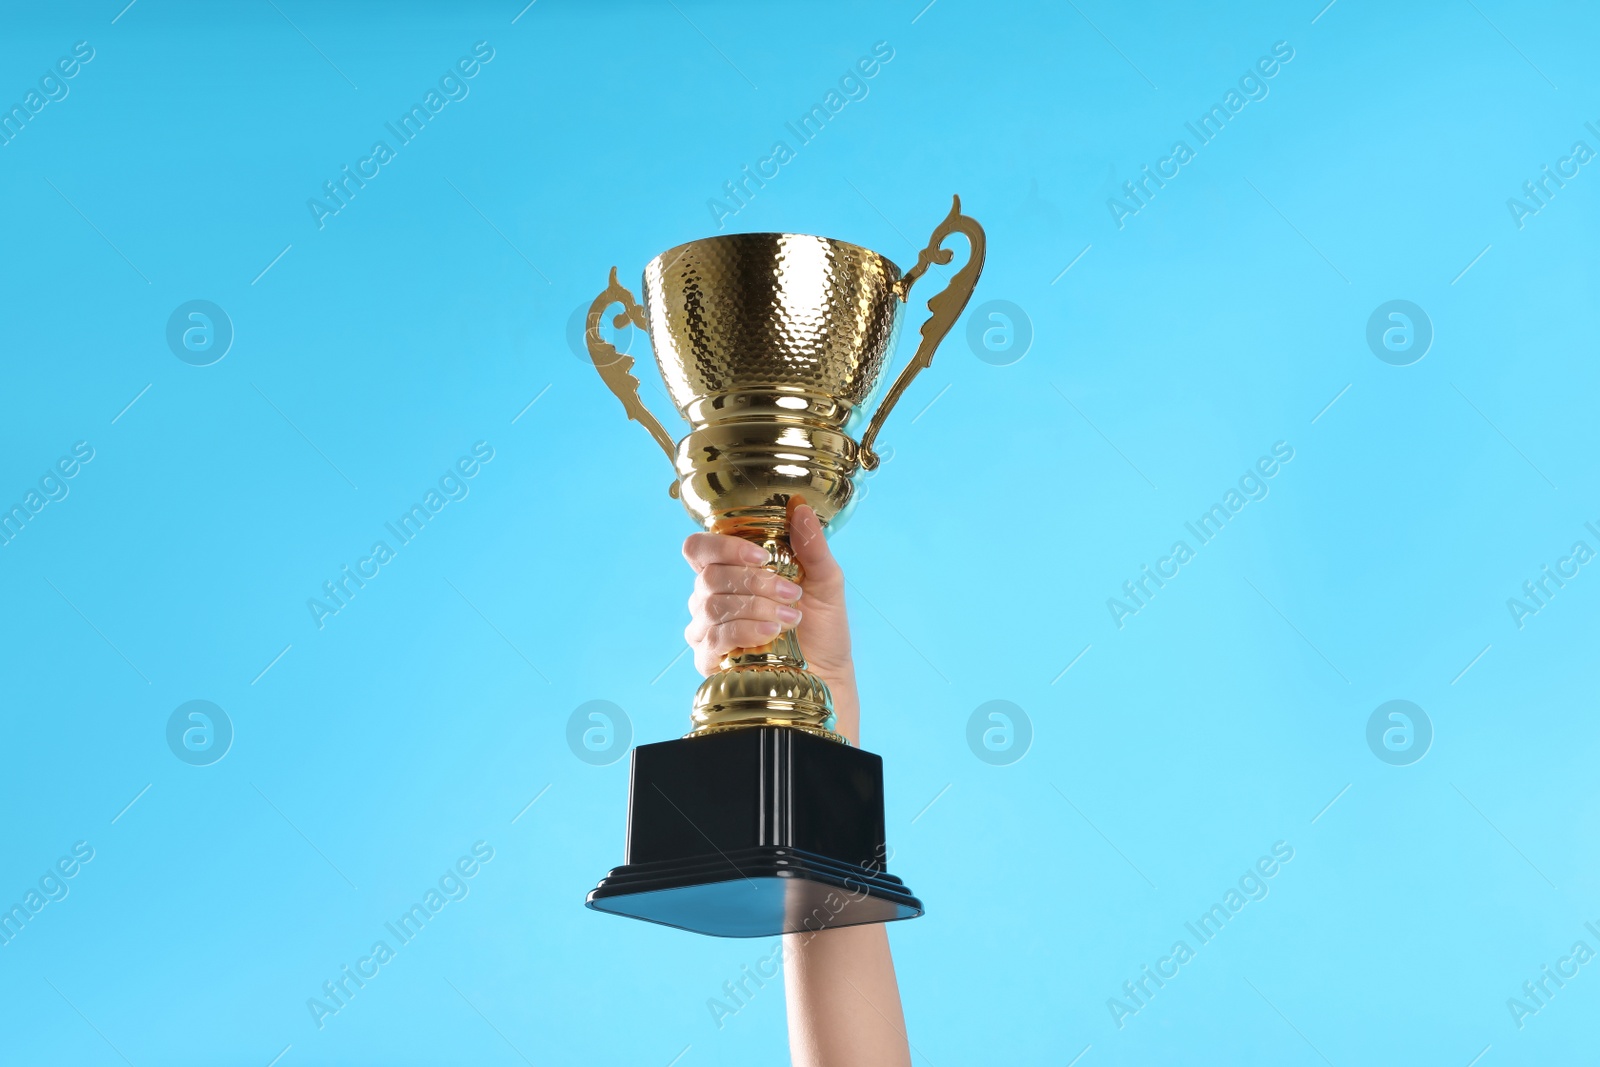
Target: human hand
pixel 738 603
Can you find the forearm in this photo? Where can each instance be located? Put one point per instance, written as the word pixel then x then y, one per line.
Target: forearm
pixel 843 1000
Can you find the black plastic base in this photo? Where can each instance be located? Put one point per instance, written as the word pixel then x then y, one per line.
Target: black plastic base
pixel 753 833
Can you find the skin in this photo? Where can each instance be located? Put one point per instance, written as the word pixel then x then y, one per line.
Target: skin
pixel 843 1000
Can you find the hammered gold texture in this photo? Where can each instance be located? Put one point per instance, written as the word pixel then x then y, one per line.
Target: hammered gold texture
pixel 771 309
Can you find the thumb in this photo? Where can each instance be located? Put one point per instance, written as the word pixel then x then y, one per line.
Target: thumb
pixel 811 547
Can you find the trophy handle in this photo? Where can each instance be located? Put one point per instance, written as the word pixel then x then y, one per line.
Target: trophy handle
pixel 946 307
pixel 615 368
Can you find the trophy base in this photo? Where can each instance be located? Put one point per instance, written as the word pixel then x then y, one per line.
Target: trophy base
pixel 755 832
pixel 759 892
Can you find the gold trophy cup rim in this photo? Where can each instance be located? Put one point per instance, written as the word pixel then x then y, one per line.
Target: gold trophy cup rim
pixel 677 250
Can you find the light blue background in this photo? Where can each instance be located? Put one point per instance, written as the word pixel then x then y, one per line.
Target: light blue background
pixel 425 316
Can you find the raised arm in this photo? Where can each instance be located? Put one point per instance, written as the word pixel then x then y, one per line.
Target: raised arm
pixel 844 1002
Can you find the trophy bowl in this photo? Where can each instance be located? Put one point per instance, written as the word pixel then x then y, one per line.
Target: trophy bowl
pixel 769 345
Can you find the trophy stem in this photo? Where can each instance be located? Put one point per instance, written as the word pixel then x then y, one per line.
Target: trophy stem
pixel 767 685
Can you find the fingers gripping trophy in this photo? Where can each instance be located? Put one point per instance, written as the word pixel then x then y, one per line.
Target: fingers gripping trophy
pixel 762 819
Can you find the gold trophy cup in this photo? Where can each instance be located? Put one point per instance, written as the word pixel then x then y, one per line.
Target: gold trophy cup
pixel 763 820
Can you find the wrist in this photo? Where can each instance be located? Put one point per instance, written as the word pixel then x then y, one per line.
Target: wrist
pixel 841 680
pixel 840 675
